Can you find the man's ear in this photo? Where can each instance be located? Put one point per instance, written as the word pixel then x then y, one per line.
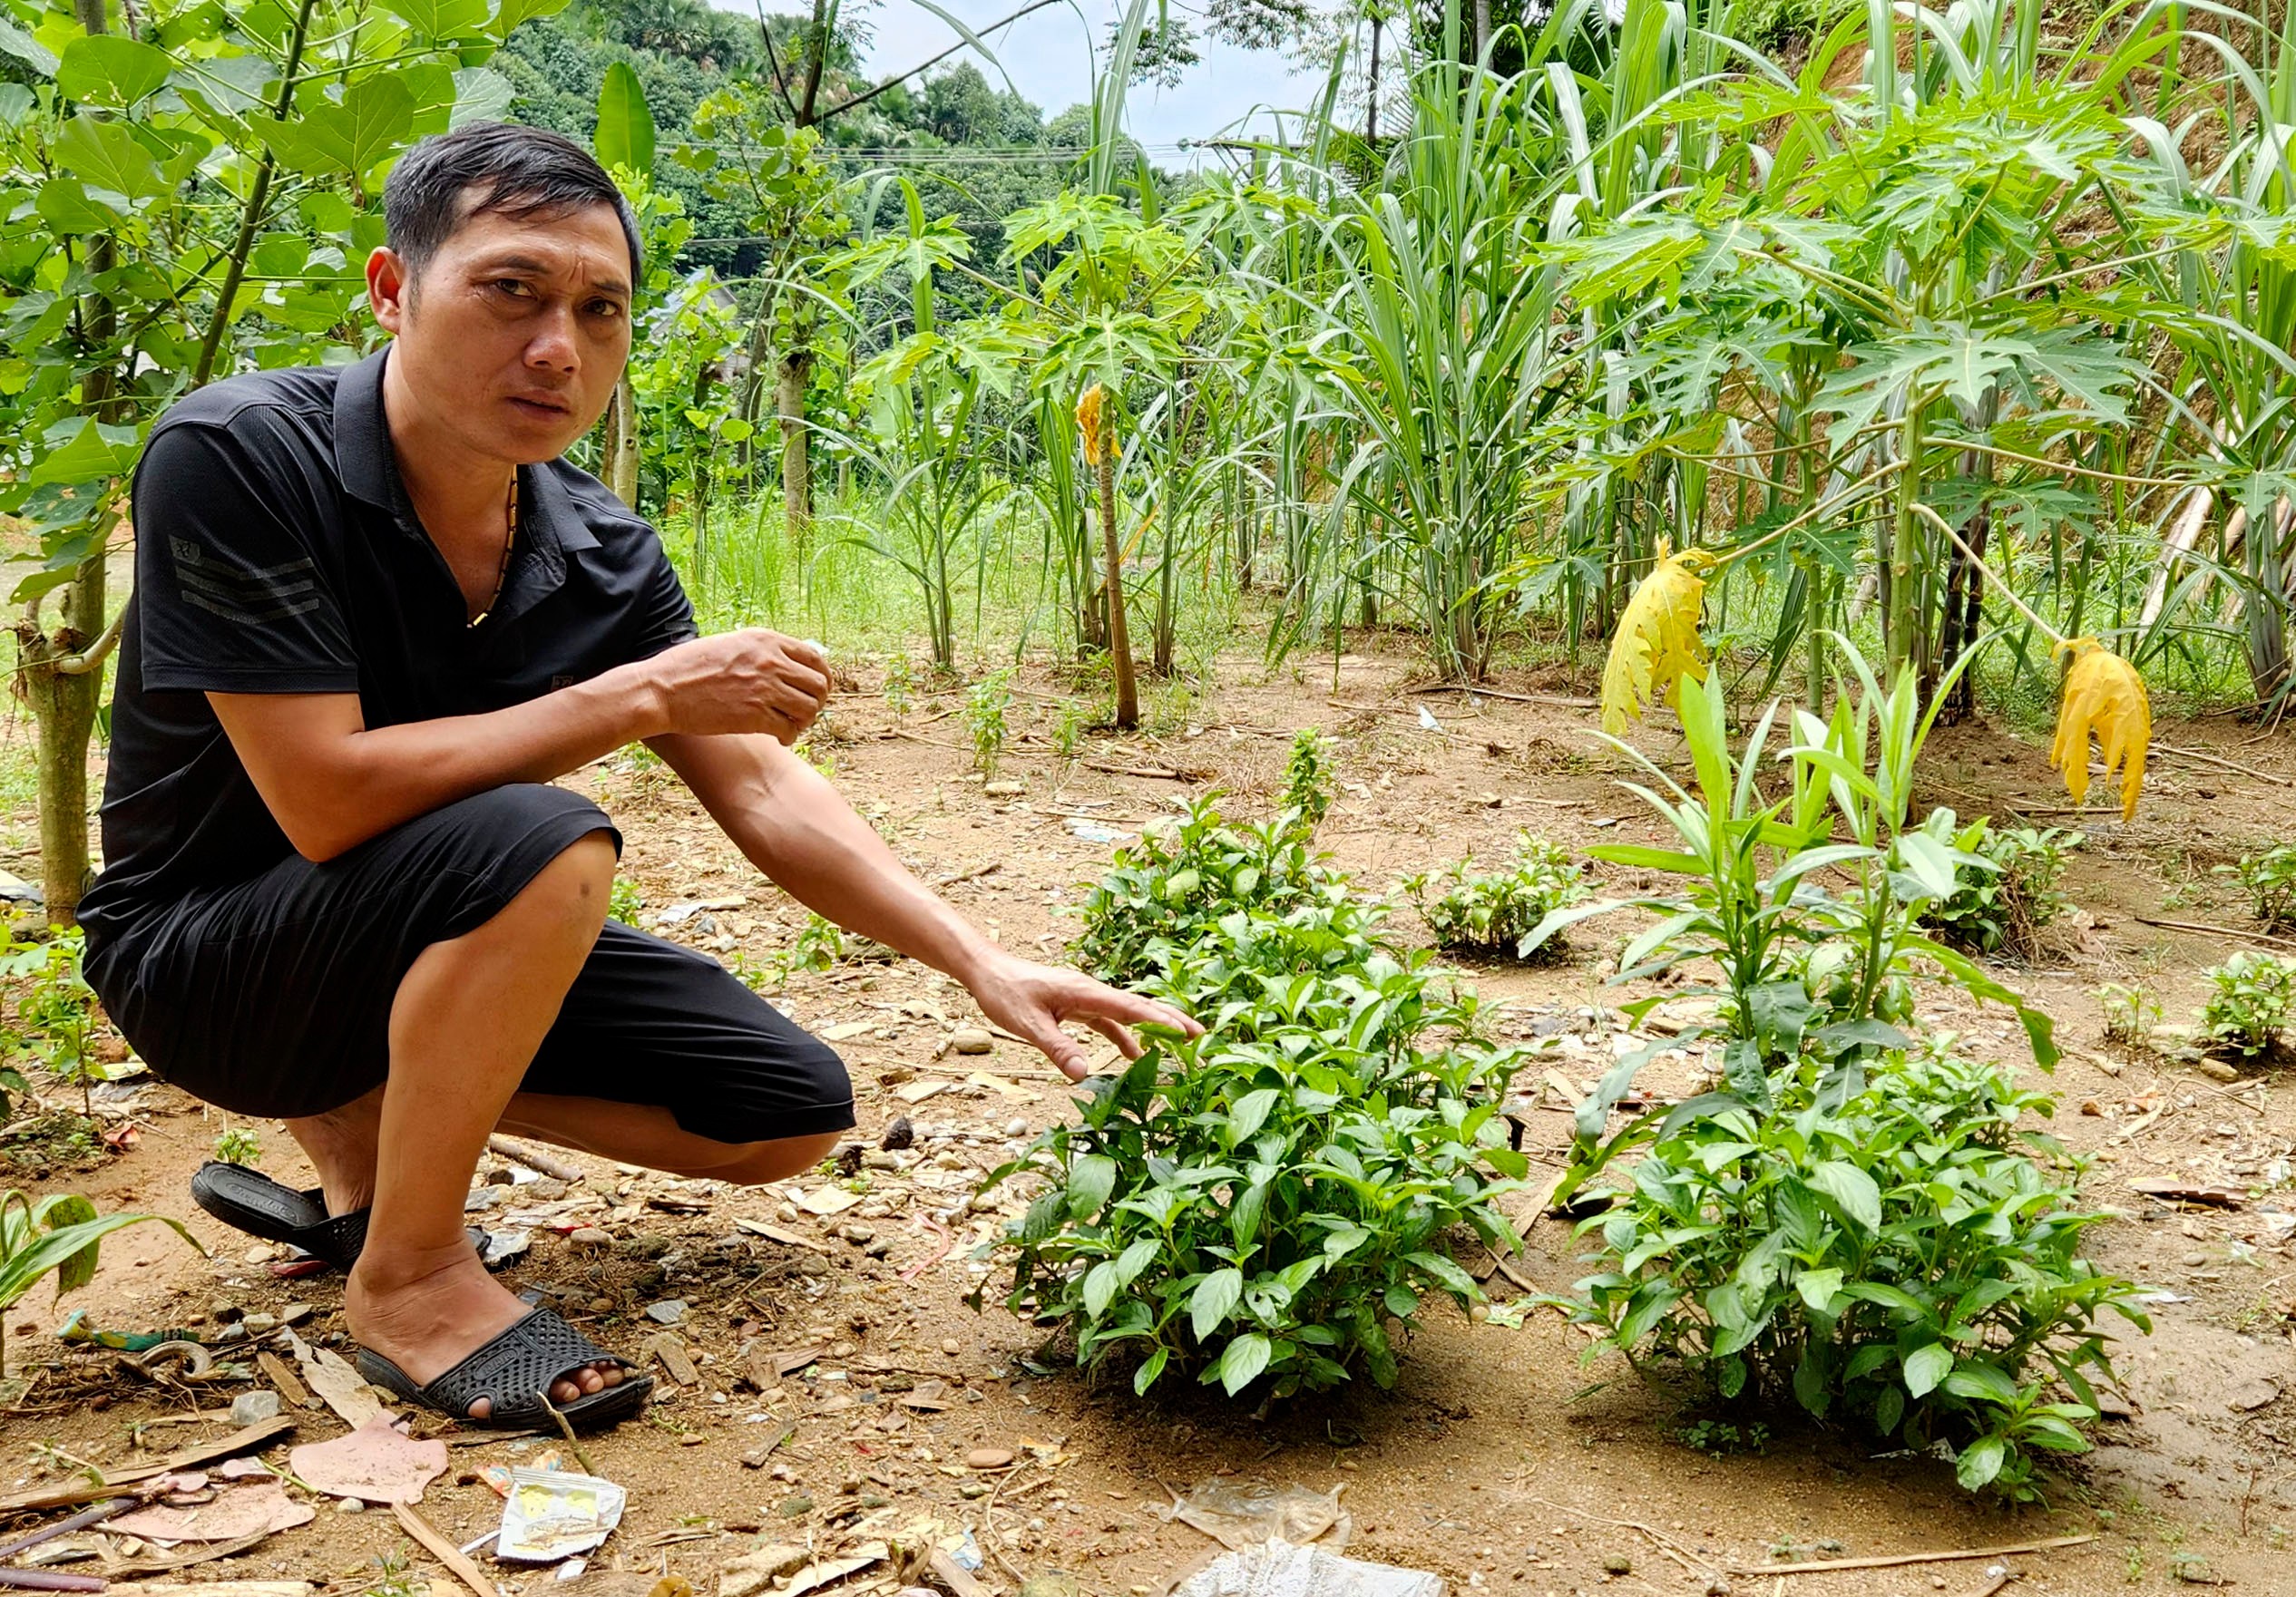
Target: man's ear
pixel 390 288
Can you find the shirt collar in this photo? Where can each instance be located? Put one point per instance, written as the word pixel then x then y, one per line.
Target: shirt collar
pixel 549 523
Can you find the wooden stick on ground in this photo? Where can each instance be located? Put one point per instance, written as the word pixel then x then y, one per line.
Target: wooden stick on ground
pixel 517 1153
pixel 1898 1560
pixel 444 1550
pixel 2208 759
pixel 192 1457
pixel 2266 938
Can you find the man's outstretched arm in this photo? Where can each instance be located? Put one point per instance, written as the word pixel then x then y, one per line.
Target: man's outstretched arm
pixel 795 828
pixel 332 783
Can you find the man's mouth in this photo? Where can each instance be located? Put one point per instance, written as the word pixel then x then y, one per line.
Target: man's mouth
pixel 538 405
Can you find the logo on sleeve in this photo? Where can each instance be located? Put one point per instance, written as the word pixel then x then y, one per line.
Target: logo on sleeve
pixel 250 596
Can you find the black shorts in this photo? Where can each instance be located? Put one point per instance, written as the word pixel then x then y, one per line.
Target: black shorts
pixel 272 996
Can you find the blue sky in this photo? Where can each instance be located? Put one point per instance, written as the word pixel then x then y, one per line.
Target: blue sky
pixel 1048 58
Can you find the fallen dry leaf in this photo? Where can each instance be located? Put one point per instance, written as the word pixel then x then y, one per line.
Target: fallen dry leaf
pixel 374 1464
pixel 255 1509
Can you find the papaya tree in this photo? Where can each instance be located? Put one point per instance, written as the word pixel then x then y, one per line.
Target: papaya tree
pixel 191 189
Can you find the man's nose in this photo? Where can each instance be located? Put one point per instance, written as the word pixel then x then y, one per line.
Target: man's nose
pixel 553 344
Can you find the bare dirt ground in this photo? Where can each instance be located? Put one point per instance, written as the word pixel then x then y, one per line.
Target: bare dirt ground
pixel 1499 1460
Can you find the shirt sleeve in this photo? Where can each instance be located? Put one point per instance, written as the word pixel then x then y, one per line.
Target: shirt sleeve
pixel 664 615
pixel 231 598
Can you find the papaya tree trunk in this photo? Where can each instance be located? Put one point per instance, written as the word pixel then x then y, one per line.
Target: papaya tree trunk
pixel 622 443
pixel 61 677
pixel 790 382
pixel 1128 693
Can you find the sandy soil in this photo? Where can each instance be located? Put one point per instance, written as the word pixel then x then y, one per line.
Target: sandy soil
pixel 1500 1460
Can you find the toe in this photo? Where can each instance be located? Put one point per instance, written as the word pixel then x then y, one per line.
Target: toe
pixel 589 1380
pixel 482 1408
pixel 610 1374
pixel 564 1392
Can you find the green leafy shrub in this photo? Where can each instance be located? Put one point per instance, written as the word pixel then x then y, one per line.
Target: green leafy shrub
pixel 1307 779
pixel 1799 967
pixel 1898 1263
pixel 238 1144
pixel 986 704
pixel 1270 1198
pixel 624 901
pixel 2006 908
pixel 1493 915
pixel 899 684
pixel 1186 874
pixel 2269 880
pixel 2256 999
pixel 55 1012
pixel 2130 1014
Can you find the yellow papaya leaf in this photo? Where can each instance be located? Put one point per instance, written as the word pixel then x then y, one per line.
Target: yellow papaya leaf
pixel 2105 696
pixel 1095 424
pixel 1656 644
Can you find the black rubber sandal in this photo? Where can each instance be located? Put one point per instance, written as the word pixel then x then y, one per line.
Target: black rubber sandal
pixel 515 1373
pixel 249 1201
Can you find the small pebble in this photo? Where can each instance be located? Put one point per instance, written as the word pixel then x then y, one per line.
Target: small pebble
pixel 972 1489
pixel 2195 1261
pixel 668 1312
pixel 1618 1563
pixel 952 1346
pixel 857 1234
pixel 972 1040
pixel 796 1507
pixel 1016 1127
pixel 254 1407
pixel 350 1506
pixel 989 1458
pixel 590 1236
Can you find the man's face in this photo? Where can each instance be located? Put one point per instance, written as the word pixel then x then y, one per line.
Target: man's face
pixel 517 329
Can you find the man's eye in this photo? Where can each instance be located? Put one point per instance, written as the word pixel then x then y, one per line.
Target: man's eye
pixel 605 308
pixel 512 286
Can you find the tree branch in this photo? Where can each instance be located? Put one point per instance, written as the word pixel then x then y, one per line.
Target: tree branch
pixel 91 657
pixel 868 94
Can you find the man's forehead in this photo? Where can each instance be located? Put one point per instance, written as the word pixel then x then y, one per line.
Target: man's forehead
pixel 558 231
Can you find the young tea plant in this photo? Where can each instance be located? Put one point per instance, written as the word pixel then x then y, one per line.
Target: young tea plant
pixel 1492 916
pixel 1898 1263
pixel 2256 999
pixel 2130 1014
pixel 2004 910
pixel 1307 780
pixel 1185 875
pixel 900 685
pixel 986 704
pixel 238 1144
pixel 2269 880
pixel 1270 1200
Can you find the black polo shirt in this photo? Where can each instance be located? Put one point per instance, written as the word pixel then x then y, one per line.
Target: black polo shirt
pixel 277 551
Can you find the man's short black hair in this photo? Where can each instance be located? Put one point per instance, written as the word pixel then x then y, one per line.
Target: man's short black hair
pixel 518 171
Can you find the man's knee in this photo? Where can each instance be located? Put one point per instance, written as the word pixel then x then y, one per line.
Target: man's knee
pixel 755 1164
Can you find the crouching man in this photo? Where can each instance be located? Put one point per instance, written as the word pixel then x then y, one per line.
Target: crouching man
pixel 376 613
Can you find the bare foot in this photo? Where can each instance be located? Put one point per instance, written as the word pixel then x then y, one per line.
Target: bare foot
pixel 427 1314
